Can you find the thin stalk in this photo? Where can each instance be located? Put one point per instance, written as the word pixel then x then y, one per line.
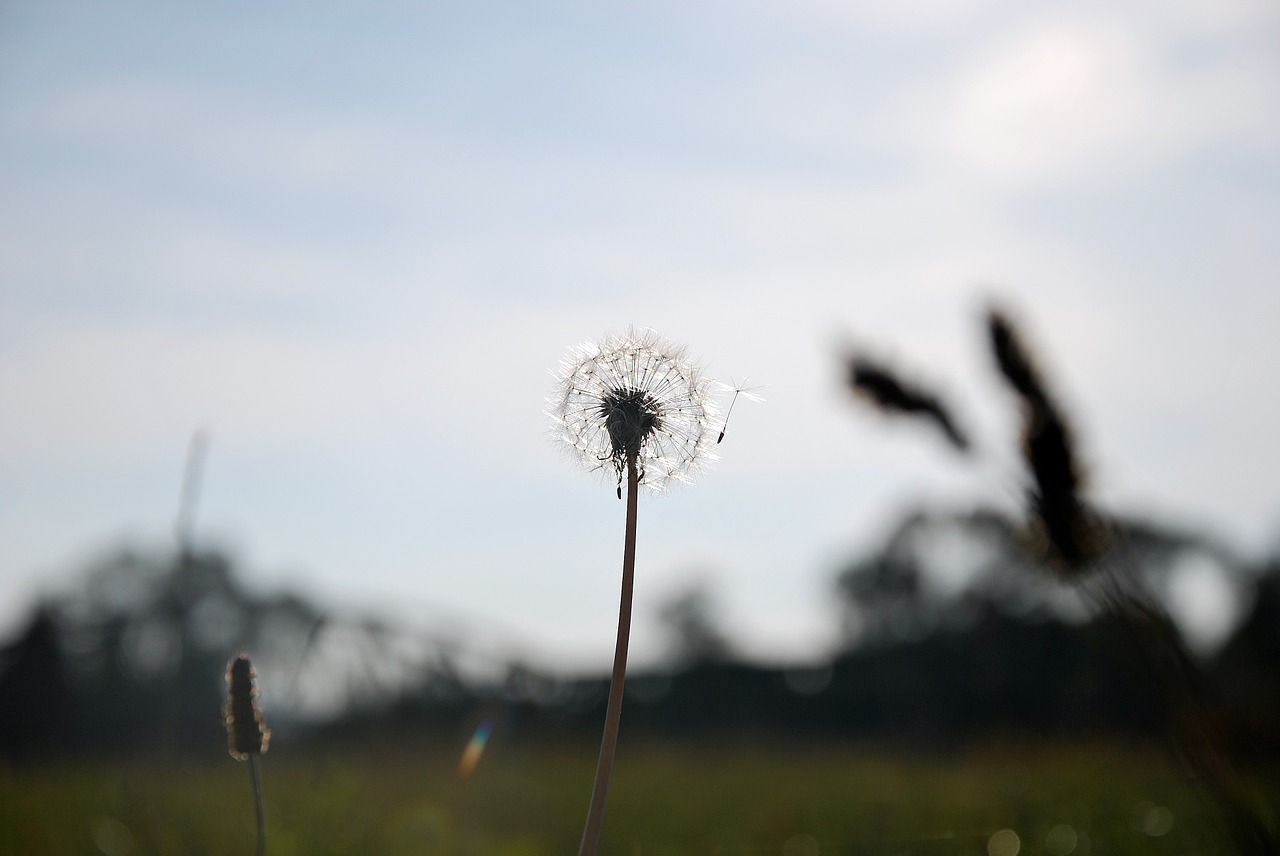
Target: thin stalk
pixel 257 804
pixel 613 712
pixel 1194 734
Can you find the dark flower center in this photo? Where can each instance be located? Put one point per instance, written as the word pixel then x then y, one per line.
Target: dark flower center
pixel 631 415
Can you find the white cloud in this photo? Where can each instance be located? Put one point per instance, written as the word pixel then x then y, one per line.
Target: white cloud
pixel 1091 101
pixel 1054 96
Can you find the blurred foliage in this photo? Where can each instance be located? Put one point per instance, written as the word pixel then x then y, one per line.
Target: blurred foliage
pixel 955 633
pixel 527 798
pixel 134 657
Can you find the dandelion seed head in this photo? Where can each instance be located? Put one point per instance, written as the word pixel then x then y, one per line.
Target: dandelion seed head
pixel 635 394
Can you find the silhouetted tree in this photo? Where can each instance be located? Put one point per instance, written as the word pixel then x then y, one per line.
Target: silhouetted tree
pixel 696 637
pixel 34 698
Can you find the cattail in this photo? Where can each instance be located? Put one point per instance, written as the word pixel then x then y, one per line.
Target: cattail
pixel 1073 532
pixel 247 732
pixel 877 383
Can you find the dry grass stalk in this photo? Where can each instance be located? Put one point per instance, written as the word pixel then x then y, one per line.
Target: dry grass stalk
pixel 247 732
pixel 1072 531
pixel 1076 537
pixel 877 383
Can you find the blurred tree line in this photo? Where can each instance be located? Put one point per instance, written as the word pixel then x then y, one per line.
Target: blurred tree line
pixel 954 631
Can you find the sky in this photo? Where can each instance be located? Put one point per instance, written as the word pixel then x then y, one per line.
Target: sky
pixel 352 242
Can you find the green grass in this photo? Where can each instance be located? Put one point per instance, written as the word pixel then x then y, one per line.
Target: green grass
pixel 524 801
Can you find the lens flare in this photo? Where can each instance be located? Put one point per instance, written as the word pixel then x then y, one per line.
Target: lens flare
pixel 475 748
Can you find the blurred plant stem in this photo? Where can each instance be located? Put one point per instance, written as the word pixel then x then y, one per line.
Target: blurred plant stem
pixel 257 804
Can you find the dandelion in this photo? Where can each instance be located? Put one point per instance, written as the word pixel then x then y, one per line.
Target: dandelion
pixel 635 395
pixel 247 732
pixel 633 406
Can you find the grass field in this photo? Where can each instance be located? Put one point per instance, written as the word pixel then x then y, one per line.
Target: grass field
pixel 791 800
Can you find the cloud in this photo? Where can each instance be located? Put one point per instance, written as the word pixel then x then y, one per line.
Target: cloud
pixel 1053 96
pixel 1096 101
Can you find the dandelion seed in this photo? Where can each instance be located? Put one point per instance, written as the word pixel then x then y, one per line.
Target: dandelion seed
pixel 747 392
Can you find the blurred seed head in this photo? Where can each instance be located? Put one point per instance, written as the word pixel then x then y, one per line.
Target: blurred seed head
pixel 1013 358
pixel 877 383
pixel 1074 534
pixel 247 732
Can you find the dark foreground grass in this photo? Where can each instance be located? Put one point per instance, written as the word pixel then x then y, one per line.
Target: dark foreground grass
pixel 796 800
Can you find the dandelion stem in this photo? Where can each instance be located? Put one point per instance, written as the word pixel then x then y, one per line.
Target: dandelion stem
pixel 613 712
pixel 257 804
